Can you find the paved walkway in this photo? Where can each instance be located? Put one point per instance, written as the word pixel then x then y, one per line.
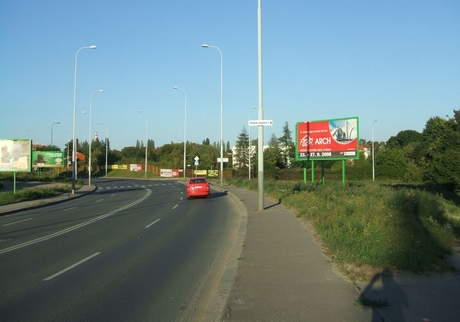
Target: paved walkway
pixel 283 275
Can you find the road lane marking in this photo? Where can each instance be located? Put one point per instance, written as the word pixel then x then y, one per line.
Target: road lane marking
pixel 99 200
pixel 152 223
pixel 174 207
pixel 16 222
pixel 70 267
pixel 67 230
pixel 70 208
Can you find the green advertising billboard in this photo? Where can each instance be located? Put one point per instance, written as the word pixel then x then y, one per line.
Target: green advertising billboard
pixel 48 159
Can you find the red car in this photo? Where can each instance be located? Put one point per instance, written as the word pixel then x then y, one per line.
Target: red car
pixel 198 187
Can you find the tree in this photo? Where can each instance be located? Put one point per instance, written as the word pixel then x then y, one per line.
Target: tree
pixel 287 148
pixel 441 160
pixel 272 154
pixel 241 153
pixel 404 138
pixel 391 164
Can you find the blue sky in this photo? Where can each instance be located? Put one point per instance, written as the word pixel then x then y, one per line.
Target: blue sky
pixel 396 62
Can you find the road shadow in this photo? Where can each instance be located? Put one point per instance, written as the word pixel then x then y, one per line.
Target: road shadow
pixel 383 293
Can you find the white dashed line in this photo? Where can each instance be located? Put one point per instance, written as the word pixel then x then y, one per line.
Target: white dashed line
pixel 17 222
pixel 70 267
pixel 152 223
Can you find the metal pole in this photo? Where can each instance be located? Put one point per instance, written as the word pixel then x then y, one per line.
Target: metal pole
pixel 106 147
pixel 146 138
pixel 185 126
pixel 52 131
pixel 90 134
pixel 74 139
pixel 260 176
pixel 373 165
pixel 249 148
pixel 146 143
pixel 221 112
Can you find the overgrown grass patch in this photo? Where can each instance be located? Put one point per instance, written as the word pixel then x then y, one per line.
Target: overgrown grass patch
pixel 369 224
pixel 32 194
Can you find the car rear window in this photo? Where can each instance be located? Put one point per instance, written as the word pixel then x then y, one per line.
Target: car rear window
pixel 198 181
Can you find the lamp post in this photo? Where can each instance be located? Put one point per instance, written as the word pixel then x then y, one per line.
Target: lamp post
pixel 221 113
pixel 260 143
pixel 67 155
pixel 52 131
pixel 249 139
pixel 146 142
pixel 373 165
pixel 185 126
pixel 74 139
pixel 106 147
pixel 90 133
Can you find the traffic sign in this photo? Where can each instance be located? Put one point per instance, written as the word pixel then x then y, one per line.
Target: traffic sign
pixel 260 122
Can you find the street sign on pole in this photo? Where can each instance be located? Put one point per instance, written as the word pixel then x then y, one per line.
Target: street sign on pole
pixel 260 122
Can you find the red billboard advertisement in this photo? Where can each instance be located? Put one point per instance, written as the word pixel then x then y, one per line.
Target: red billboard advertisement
pixel 335 139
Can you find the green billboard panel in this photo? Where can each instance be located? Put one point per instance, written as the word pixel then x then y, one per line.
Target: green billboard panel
pixel 48 159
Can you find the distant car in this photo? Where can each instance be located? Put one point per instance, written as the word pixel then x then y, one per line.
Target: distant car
pixel 198 187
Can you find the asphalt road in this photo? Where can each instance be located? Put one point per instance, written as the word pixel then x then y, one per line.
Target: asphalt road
pixel 133 250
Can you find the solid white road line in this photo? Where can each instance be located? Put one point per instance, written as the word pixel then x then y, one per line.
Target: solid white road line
pixel 17 222
pixel 70 267
pixel 152 223
pixel 64 231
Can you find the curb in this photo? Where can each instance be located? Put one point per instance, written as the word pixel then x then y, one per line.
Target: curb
pixel 216 305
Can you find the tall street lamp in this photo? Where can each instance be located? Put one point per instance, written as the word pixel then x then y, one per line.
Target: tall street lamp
pixel 249 147
pixel 221 113
pixel 146 142
pixel 74 152
pixel 52 131
pixel 260 143
pixel 373 165
pixel 185 126
pixel 106 147
pixel 90 133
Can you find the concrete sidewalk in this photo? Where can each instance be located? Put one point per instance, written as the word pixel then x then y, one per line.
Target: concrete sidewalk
pixel 283 275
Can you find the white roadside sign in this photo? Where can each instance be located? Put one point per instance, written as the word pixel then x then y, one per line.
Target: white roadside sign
pixel 260 122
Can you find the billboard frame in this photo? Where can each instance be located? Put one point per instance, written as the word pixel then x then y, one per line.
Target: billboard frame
pixel 13 150
pixel 318 142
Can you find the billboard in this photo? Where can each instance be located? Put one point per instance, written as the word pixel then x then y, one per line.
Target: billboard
pixel 335 139
pixel 48 159
pixel 15 155
pixel 135 167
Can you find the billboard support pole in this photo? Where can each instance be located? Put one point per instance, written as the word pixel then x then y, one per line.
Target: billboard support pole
pixel 14 185
pixel 312 171
pixel 322 172
pixel 305 172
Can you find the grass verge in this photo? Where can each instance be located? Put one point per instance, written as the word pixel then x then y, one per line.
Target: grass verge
pixel 373 226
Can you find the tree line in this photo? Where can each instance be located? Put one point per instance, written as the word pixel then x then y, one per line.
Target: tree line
pixel 430 156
